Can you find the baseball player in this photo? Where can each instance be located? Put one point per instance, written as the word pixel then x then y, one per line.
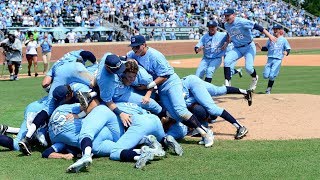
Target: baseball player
pixel 196 91
pixel 30 112
pixel 211 43
pixel 240 34
pixel 276 52
pixel 61 73
pixel 168 83
pixel 72 131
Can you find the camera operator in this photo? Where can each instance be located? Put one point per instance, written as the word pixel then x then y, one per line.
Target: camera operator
pixel 13 51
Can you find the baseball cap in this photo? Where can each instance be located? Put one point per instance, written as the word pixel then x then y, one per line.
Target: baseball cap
pixel 137 40
pixel 212 23
pixel 88 56
pixel 114 63
pixel 277 26
pixel 228 11
pixel 60 92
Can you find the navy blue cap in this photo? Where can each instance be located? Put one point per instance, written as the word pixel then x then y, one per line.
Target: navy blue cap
pixel 137 40
pixel 228 11
pixel 212 23
pixel 114 63
pixel 277 26
pixel 88 56
pixel 60 92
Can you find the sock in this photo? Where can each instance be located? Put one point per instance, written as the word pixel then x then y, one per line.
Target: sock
pixel 208 79
pixel 31 130
pixel 13 130
pixel 243 91
pixel 227 73
pixel 193 122
pixel 164 145
pixel 93 94
pixel 270 84
pixel 6 141
pixel 254 74
pixel 128 155
pixel 86 146
pixel 233 90
pixel 228 117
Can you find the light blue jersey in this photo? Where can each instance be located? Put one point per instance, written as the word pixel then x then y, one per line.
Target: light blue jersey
pixel 170 91
pixel 112 89
pixel 275 50
pixel 143 77
pixel 212 45
pixel 240 31
pixel 63 74
pixel 212 53
pixel 106 81
pixel 70 132
pixel 153 62
pixel 143 124
pixel 275 56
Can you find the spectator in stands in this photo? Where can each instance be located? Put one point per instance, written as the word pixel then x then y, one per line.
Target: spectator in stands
pixel 46 47
pixel 32 54
pixel 173 35
pixel 71 36
pixel 88 37
pixel 163 35
pixel 191 34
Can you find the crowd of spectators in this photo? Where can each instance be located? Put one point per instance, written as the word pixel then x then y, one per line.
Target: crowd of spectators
pixel 153 13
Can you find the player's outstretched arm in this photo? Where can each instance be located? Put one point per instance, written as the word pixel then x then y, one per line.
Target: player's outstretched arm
pixel 270 36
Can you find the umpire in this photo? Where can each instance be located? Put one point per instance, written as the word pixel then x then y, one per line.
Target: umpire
pixel 13 51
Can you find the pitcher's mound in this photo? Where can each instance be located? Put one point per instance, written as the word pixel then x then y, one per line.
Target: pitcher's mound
pixel 271 117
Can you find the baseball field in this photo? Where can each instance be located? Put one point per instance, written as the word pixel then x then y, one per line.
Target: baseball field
pixel 282 143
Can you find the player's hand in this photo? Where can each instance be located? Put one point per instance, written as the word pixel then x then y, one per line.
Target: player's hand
pixel 125 118
pixel 196 50
pixel 68 156
pixel 145 100
pixel 71 117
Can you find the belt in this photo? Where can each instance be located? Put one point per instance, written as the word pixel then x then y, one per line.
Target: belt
pixel 244 45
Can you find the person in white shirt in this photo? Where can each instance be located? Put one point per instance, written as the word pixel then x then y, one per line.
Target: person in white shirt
pixel 32 54
pixel 71 36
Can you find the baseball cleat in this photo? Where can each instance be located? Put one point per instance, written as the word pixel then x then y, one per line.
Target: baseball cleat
pixel 248 97
pixel 254 83
pixel 152 142
pixel 240 72
pixel 146 156
pixel 81 164
pixel 173 144
pixel 84 98
pixel 268 91
pixel 24 145
pixel 3 129
pixel 208 138
pixel 241 132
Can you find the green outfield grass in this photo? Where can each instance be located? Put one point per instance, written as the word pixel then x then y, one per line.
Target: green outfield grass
pixel 292 159
pixel 199 55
